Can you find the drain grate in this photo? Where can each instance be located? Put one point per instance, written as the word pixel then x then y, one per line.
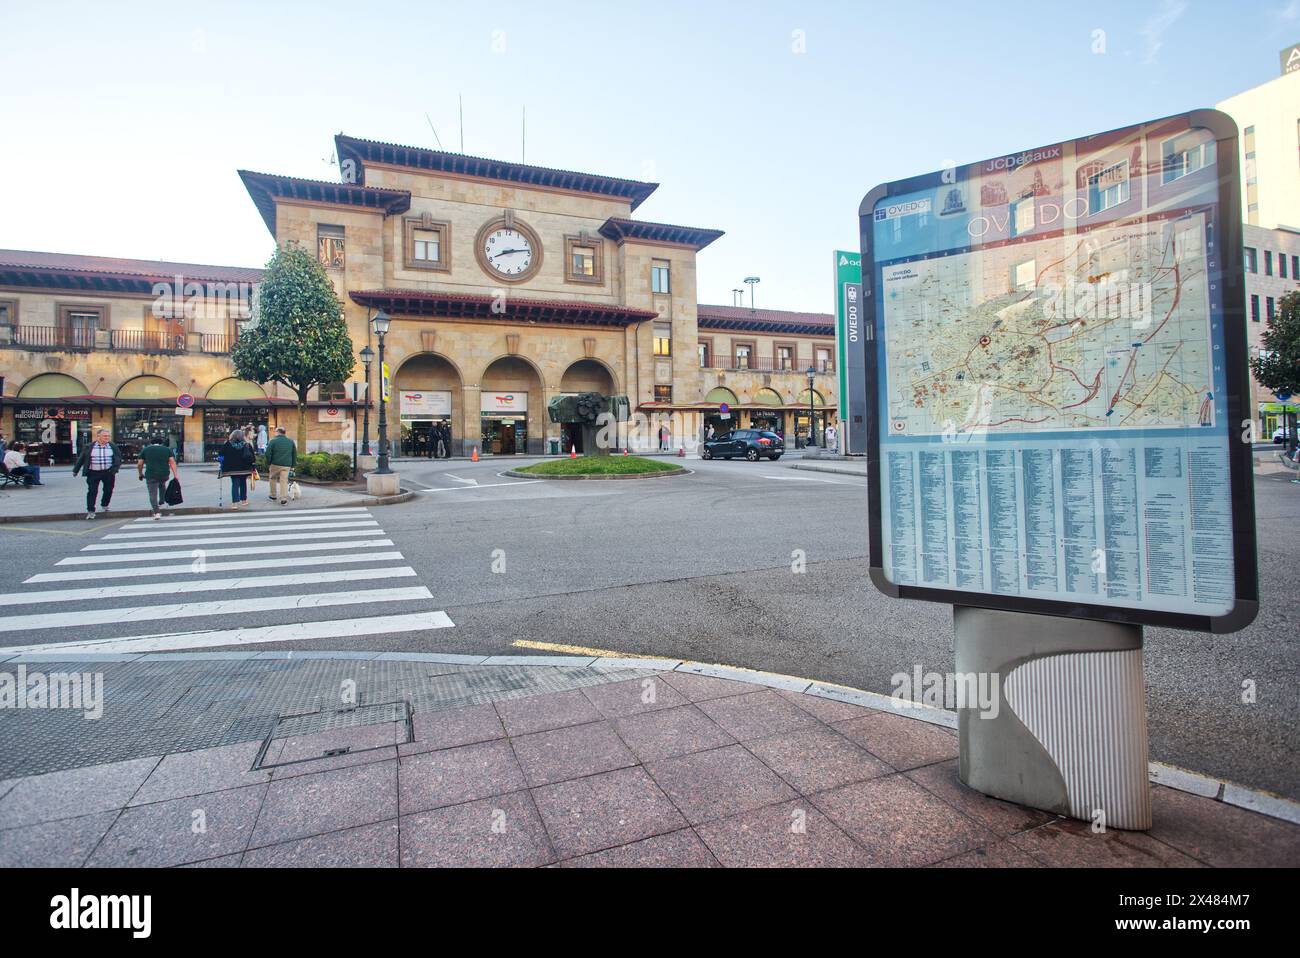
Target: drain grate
pixel 328 733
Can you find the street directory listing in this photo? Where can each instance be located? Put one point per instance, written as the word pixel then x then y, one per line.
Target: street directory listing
pixel 1059 371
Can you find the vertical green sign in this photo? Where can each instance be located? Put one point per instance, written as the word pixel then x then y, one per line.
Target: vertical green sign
pixel 850 359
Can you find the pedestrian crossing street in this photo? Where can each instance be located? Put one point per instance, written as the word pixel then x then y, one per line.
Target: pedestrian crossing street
pixel 238 579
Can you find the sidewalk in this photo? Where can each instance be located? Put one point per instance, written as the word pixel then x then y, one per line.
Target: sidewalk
pixel 64 497
pixel 203 759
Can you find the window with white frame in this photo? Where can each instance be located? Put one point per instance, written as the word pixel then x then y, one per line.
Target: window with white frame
pixel 1108 188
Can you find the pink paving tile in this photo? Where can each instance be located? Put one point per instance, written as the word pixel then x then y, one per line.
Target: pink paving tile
pixel 500 832
pixel 73 793
pixel 449 728
pixel 205 770
pixel 62 844
pixel 902 742
pixel 367 846
pixel 718 783
pixel 572 752
pixel 757 715
pixel 1000 855
pixel 670 732
pixel 182 830
pixel 455 775
pixel 815 759
pixel 701 688
pixel 327 802
pixel 604 811
pixel 539 713
pixel 899 823
pixel 1073 844
pixel 634 696
pixel 313 766
pixel 1222 835
pixel 680 849
pixel 360 738
pixel 1002 817
pixel 793 835
pixel 828 710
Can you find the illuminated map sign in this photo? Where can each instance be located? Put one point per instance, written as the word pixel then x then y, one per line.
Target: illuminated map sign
pixel 1059 376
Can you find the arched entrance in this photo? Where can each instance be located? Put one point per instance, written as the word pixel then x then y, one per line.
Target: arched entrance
pixel 146 407
pixel 233 404
pixel 722 422
pixel 51 420
pixel 512 414
pixel 586 375
pixel 427 400
pixel 810 402
pixel 766 411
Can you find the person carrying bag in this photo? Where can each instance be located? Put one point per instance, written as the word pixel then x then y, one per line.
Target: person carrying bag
pixel 238 461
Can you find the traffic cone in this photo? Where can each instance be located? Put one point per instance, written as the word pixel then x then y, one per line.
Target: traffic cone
pixel 573 451
pixel 473 456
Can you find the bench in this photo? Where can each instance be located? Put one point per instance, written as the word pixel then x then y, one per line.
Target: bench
pixel 8 478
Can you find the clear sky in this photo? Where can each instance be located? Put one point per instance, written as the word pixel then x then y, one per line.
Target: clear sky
pixel 122 124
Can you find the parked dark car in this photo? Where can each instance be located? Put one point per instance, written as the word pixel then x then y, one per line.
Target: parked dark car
pixel 753 444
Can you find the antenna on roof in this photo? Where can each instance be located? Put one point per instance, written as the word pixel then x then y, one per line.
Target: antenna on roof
pixel 461 100
pixel 435 132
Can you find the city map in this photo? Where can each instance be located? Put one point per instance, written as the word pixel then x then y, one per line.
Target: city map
pixel 1108 329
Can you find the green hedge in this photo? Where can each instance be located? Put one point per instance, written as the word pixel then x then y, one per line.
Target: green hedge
pixel 325 466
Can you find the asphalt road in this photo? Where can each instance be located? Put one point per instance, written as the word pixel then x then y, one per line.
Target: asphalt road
pixel 754 565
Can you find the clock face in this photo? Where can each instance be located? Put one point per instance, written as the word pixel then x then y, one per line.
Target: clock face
pixel 508 251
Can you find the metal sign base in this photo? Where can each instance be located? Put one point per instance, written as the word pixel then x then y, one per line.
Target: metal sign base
pixel 1067 730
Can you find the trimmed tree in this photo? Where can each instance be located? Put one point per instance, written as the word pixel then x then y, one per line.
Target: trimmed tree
pixel 1278 364
pixel 299 336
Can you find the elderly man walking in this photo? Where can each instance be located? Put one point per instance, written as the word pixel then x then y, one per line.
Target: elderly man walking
pixel 281 456
pixel 100 461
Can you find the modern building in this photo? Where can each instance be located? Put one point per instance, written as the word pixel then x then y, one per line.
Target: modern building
pixel 1272 271
pixel 1268 133
pixel 507 285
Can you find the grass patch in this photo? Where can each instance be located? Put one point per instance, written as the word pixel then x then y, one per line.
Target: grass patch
pixel 599 466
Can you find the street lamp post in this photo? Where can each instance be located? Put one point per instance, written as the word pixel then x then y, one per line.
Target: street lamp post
pixel 812 405
pixel 367 357
pixel 380 326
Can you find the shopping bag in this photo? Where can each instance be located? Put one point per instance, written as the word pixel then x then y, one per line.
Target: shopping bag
pixel 172 494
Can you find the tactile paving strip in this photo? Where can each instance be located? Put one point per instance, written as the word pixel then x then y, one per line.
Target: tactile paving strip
pixel 155 708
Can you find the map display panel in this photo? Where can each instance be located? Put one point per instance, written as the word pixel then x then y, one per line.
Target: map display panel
pixel 1052 405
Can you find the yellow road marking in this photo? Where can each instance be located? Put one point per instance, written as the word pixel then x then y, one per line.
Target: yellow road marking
pixel 568 649
pixel 63 532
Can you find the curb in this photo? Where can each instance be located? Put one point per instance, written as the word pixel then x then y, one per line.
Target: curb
pixel 404 496
pixel 1159 773
pixel 661 474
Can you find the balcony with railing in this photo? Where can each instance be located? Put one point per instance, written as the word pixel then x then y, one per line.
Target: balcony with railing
pixel 85 339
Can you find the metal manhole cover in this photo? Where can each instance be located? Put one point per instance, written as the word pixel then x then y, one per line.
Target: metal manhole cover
pixel 327 733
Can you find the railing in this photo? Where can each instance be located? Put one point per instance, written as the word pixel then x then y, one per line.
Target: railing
pixel 52 337
pixel 219 343
pixel 763 365
pixel 145 341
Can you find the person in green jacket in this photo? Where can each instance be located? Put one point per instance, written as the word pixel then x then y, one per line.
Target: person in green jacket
pixel 281 456
pixel 157 462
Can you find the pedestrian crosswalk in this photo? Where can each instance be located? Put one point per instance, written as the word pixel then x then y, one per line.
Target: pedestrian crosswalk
pixel 255 578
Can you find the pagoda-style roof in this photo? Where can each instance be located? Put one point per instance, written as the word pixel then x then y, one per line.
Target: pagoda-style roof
pixel 266 188
pixel 621 230
pixel 510 309
pixel 764 320
pixel 108 274
pixel 362 152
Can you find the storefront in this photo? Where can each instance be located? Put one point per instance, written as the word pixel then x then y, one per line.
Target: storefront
pixel 220 421
pixel 419 410
pixel 1274 416
pixel 505 422
pixel 135 427
pixel 53 434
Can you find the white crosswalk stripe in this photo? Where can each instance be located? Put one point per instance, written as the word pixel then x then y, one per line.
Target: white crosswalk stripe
pixel 280 564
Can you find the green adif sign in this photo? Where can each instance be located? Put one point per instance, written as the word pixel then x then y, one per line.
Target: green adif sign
pixel 850 333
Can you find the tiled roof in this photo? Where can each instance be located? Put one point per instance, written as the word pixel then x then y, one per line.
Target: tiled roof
pixel 619 229
pixel 150 269
pixel 764 320
pixel 265 188
pixel 437 161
